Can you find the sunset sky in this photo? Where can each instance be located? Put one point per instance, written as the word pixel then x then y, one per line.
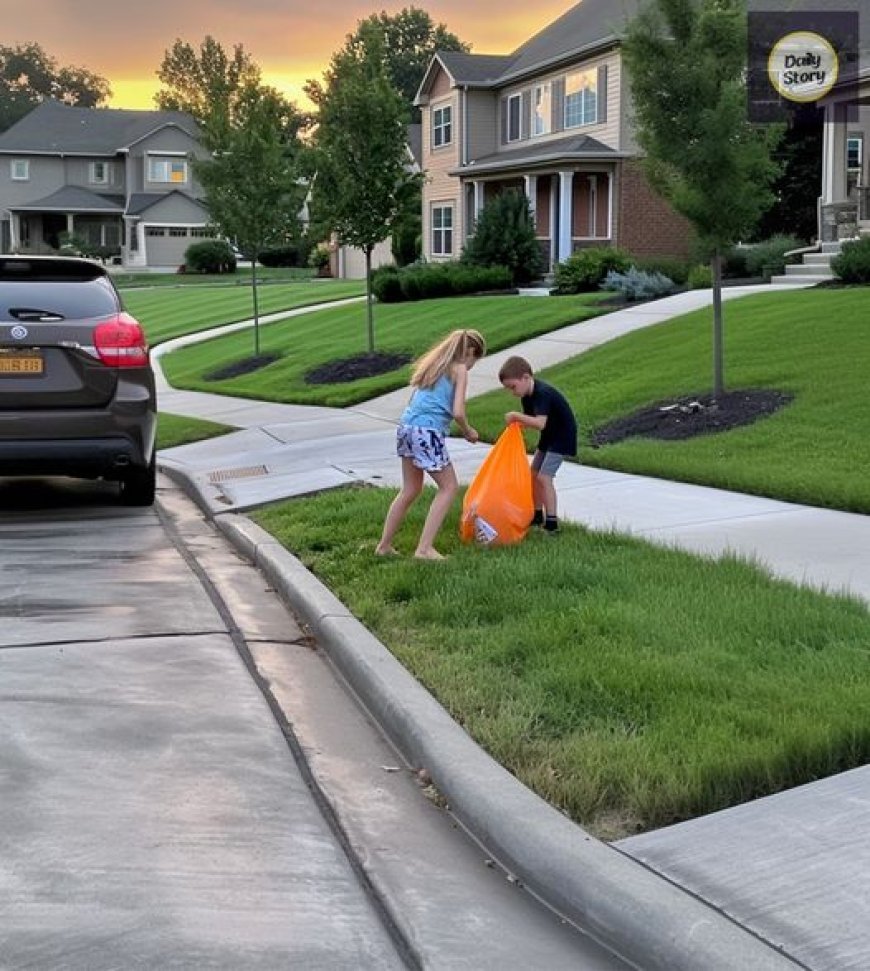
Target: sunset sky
pixel 290 40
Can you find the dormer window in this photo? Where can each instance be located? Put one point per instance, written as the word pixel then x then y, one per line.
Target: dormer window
pixel 581 98
pixel 515 118
pixel 167 170
pixel 442 126
pixel 20 169
pixel 99 174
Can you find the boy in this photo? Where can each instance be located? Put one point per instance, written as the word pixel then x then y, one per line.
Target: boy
pixel 546 409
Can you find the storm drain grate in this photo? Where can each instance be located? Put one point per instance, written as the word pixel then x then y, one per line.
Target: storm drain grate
pixel 248 472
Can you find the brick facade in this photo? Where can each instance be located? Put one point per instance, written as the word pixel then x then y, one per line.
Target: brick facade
pixel 646 225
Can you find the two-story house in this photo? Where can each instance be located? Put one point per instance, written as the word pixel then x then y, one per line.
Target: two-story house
pixel 119 179
pixel 553 120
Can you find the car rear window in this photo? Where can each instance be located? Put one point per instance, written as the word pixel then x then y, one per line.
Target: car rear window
pixel 33 301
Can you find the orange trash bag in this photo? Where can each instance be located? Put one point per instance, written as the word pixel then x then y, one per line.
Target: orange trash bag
pixel 498 505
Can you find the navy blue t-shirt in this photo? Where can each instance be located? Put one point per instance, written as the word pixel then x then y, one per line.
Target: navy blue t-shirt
pixel 560 433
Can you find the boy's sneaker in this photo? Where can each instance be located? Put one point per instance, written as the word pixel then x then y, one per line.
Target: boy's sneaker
pixel 551 525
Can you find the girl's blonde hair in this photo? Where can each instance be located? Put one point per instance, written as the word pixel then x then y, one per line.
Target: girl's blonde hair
pixel 438 360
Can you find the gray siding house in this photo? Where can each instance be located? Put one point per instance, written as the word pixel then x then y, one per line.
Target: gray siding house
pixel 120 179
pixel 551 120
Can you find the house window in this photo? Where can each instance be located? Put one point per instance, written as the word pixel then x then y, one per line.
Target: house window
pixel 20 169
pixel 171 170
pixel 442 230
pixel 155 231
pixel 178 231
pixel 99 173
pixel 514 118
pixel 442 126
pixel 854 151
pixel 541 109
pixel 581 98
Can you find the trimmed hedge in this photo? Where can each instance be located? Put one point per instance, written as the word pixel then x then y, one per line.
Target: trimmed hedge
pixel 584 270
pixel 210 256
pixel 422 281
pixel 852 263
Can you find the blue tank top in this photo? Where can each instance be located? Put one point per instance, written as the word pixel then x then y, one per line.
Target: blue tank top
pixel 431 407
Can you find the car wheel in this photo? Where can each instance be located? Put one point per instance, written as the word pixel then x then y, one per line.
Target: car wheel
pixel 139 485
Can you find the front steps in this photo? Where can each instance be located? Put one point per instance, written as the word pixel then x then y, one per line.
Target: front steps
pixel 815 268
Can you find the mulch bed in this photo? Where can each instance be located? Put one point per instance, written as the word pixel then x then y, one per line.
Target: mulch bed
pixel 246 366
pixel 359 366
pixel 680 418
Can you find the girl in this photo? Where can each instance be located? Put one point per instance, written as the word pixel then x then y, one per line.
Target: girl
pixel 440 381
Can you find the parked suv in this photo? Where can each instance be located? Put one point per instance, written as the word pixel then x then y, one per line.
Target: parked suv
pixel 77 391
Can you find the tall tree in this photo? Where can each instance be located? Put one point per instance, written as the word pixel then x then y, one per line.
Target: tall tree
pixel 410 39
pixel 360 154
pixel 207 84
pixel 686 63
pixel 28 75
pixel 253 188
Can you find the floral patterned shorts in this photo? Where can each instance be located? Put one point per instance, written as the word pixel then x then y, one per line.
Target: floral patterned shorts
pixel 425 447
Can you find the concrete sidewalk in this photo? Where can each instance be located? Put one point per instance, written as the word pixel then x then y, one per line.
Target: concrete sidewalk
pixel 781 876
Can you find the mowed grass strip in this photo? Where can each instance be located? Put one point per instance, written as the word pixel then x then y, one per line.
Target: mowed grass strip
pixel 175 430
pixel 167 313
pixel 629 685
pixel 303 343
pixel 814 344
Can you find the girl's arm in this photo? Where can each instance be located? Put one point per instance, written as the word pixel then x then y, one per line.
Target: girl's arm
pixel 460 377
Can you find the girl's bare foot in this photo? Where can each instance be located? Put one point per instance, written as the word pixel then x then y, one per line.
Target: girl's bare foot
pixel 386 551
pixel 428 555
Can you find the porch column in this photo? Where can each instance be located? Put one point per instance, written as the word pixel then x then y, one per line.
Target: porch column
pixel 478 197
pixel 14 231
pixel 554 223
pixel 532 194
pixel 834 154
pixel 70 223
pixel 566 184
pixel 610 207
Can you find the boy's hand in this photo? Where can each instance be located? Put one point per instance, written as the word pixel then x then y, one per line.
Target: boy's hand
pixel 511 416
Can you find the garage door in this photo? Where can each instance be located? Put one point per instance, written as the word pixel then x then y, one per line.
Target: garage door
pixel 165 246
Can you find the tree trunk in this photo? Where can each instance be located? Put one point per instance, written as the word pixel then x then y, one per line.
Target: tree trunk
pixel 718 344
pixel 256 306
pixel 369 309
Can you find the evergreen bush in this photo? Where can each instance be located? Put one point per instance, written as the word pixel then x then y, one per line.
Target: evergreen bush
pixel 584 271
pixel 852 264
pixel 505 236
pixel 637 284
pixel 210 256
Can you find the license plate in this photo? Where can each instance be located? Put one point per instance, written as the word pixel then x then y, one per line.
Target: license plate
pixel 23 364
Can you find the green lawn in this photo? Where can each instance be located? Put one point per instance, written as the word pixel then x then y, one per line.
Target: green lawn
pixel 306 342
pixel 241 278
pixel 180 430
pixel 811 343
pixel 167 312
pixel 629 685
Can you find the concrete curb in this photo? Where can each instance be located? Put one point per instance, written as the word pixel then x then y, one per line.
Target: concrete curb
pixel 639 915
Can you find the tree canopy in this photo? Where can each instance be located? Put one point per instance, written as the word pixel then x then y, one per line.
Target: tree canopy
pixel 410 38
pixel 28 75
pixel 686 63
pixel 359 150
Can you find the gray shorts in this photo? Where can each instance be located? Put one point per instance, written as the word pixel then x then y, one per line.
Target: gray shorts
pixel 425 447
pixel 547 463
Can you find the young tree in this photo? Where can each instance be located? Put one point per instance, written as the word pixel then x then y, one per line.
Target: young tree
pixel 410 39
pixel 28 75
pixel 686 63
pixel 360 152
pixel 253 188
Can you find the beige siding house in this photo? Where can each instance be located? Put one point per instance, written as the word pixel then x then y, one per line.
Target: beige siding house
pixel 552 120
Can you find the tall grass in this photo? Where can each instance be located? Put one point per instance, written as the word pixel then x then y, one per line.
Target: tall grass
pixel 630 686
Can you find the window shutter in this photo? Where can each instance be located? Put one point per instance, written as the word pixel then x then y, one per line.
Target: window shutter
pixel 558 104
pixel 526 115
pixel 504 121
pixel 602 94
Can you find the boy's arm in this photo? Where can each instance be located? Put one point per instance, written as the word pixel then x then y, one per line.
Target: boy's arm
pixel 527 421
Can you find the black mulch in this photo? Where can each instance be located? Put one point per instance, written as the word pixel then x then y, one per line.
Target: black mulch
pixel 680 418
pixel 245 366
pixel 359 366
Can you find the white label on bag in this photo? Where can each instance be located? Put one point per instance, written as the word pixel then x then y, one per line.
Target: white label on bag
pixel 483 532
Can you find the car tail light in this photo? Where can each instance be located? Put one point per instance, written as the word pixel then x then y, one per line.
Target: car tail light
pixel 120 342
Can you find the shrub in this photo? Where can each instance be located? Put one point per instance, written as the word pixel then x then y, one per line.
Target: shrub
pixel 637 284
pixel 424 281
pixel 670 266
pixel 734 265
pixel 585 270
pixel 770 254
pixel 852 264
pixel 505 236
pixel 700 277
pixel 210 256
pixel 292 254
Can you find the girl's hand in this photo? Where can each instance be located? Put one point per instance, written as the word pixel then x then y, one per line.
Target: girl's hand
pixel 471 435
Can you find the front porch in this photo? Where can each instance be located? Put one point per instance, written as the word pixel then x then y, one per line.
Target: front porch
pixel 844 203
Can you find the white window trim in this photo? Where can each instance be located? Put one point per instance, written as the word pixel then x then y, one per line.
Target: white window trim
pixel 169 159
pixel 92 174
pixel 444 127
pixel 584 122
pixel 859 139
pixel 441 231
pixel 538 114
pixel 14 168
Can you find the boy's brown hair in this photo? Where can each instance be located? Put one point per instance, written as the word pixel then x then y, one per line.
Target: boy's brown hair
pixel 515 367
